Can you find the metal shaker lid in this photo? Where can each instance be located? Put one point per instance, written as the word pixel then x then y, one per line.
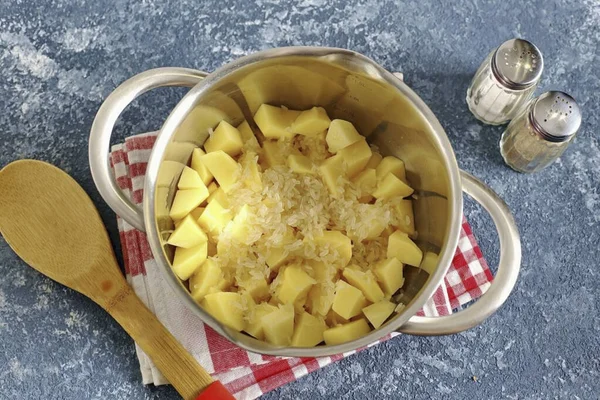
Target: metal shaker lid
pixel 517 64
pixel 555 116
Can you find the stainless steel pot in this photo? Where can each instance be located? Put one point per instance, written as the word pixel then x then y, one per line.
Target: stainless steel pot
pixel 349 86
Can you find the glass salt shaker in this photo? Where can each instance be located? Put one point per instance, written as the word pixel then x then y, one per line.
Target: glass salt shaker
pixel 505 81
pixel 541 132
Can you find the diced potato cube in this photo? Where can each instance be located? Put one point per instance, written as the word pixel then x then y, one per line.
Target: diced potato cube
pixel 338 242
pixel 334 319
pixel 276 257
pixel 271 154
pixel 224 168
pixel 295 284
pixel 254 325
pixel 279 326
pixel 220 196
pixel 185 201
pixel 247 135
pixel 391 186
pixel 356 156
pixel 226 138
pixel 430 262
pixel 187 261
pixel 376 228
pixel 348 301
pixel 320 298
pixel 251 173
pixel 300 164
pixel 199 167
pixel 347 332
pixel 377 313
pixel 190 179
pixel 341 134
pixel 275 122
pixel 366 181
pixel 391 164
pixel 196 213
pixel 257 288
pixel 207 276
pixel 311 122
pixel 212 187
pixel 404 210
pixel 214 218
pixel 404 249
pixel 331 169
pixel 374 160
pixel 241 224
pixel 366 282
pixel 225 307
pixel 390 275
pixel 308 331
pixel 187 234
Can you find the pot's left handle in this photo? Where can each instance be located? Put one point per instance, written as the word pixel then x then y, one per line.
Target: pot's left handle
pixel 102 128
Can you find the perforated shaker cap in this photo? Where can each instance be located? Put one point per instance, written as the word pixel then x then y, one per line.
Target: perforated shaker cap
pixel 555 116
pixel 517 64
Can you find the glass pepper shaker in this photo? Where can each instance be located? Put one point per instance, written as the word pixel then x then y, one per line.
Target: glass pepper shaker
pixel 505 81
pixel 541 132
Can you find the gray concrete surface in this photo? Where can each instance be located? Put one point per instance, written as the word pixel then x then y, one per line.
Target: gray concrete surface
pixel 59 59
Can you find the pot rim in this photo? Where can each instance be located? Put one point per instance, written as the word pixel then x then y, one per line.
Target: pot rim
pixel 443 145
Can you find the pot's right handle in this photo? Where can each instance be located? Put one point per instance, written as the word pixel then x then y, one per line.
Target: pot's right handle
pixel 504 281
pixel 102 128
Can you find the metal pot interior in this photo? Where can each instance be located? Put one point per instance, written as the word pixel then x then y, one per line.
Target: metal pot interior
pixel 349 86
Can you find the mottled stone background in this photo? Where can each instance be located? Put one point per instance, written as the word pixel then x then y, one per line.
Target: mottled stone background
pixel 60 58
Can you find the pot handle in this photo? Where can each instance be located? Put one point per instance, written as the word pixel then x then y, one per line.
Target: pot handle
pixel 104 123
pixel 504 281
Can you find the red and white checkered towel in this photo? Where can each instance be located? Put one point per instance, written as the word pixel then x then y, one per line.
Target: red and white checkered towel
pixel 248 375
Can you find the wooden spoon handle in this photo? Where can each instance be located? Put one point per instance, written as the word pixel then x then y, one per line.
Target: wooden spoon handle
pixel 173 361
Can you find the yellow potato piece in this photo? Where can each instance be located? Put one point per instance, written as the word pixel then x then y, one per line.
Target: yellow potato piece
pixel 220 196
pixel 258 289
pixel 187 261
pixel 300 164
pixel 295 284
pixel 391 186
pixel 391 164
pixel 348 301
pixel 254 325
pixel 404 210
pixel 338 242
pixel 334 319
pixel 207 276
pixel 276 258
pixel 430 262
pixel 366 181
pixel 390 275
pixel 320 297
pixel 214 218
pixel 356 156
pixel 187 234
pixel 311 122
pixel 226 138
pixel 404 249
pixel 199 167
pixel 225 307
pixel 251 173
pixel 278 326
pixel 377 313
pixel 224 168
pixel 241 224
pixel 366 282
pixel 247 135
pixel 374 160
pixel 271 155
pixel 185 201
pixel 190 179
pixel 212 187
pixel 308 331
pixel 275 122
pixel 341 134
pixel 331 169
pixel 347 332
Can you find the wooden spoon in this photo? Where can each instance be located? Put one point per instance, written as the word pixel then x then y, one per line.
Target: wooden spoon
pixel 52 224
